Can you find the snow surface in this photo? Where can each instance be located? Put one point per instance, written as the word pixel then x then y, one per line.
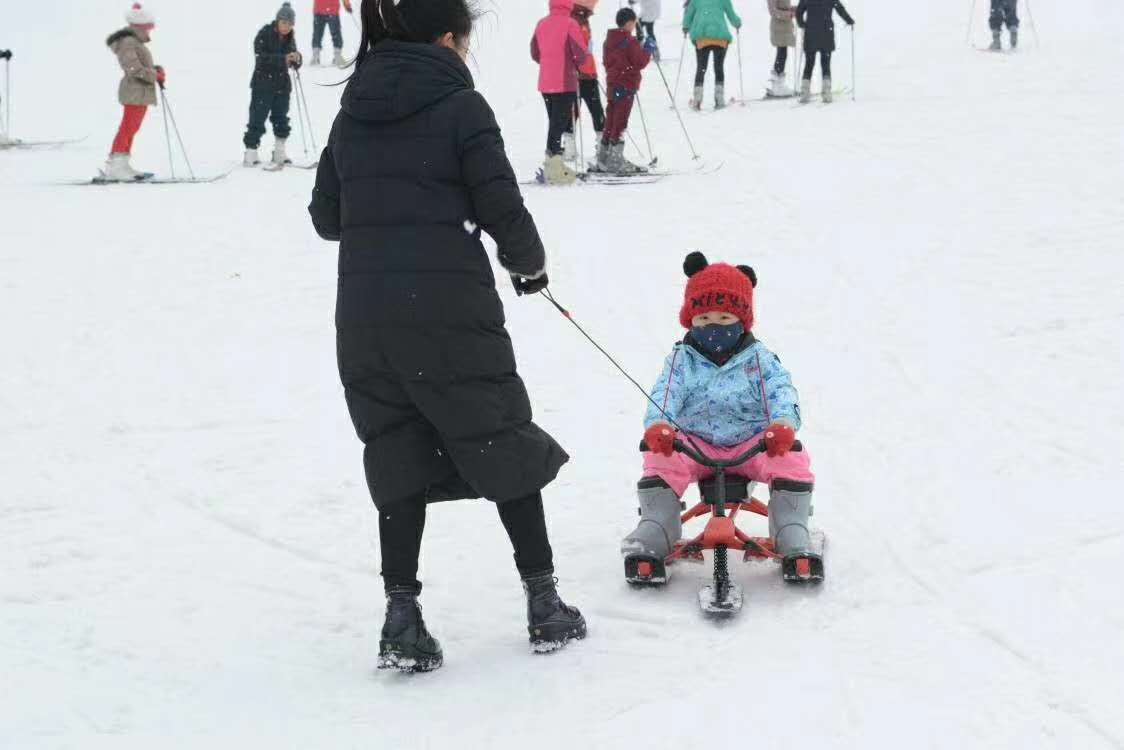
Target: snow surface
pixel 189 554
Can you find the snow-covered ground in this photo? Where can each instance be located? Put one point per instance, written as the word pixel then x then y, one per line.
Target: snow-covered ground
pixel 189 555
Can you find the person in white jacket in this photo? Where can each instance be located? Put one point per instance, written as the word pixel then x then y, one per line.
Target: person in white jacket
pixel 649 13
pixel 782 35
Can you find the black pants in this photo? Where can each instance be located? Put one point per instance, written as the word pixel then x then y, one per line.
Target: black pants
pixel 781 61
pixel 590 92
pixel 1004 12
pixel 267 103
pixel 810 63
pixel 401 527
pixel 646 29
pixel 702 55
pixel 333 24
pixel 560 114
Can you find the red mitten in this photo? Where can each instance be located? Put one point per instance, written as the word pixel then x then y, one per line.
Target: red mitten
pixel 660 438
pixel 161 76
pixel 779 439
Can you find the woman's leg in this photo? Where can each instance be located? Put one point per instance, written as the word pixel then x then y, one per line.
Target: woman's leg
pixel 400 534
pixel 781 60
pixel 591 95
pixel 702 59
pixel 825 65
pixel 525 523
pixel 318 24
pixel 809 63
pixel 719 66
pixel 131 120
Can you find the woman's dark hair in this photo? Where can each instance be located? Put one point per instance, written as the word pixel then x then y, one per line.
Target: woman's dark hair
pixel 419 21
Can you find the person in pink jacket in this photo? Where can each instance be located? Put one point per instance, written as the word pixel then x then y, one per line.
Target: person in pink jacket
pixel 559 49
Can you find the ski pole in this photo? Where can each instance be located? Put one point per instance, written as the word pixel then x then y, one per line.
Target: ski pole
pixel 679 72
pixel 8 96
pixel 307 113
pixel 300 124
pixel 175 127
pixel 647 135
pixel 854 84
pixel 1033 27
pixel 971 21
pixel 578 131
pixel 683 125
pixel 741 75
pixel 167 132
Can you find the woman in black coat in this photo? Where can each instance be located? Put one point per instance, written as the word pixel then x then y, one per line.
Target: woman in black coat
pixel 414 169
pixel 816 18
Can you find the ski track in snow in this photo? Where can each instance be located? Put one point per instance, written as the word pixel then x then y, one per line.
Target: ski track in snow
pixel 190 555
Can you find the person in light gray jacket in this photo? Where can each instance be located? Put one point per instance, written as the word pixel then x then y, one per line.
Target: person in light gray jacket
pixel 137 90
pixel 782 35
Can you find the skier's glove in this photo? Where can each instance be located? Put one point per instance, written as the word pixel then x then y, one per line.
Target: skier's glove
pixel 5 54
pixel 779 439
pixel 523 285
pixel 650 45
pixel 660 438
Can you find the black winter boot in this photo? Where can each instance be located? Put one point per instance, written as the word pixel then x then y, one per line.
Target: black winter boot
pixel 550 622
pixel 405 644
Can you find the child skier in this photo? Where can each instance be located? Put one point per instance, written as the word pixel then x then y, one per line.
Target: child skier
pixel 782 34
pixel 649 14
pixel 817 19
pixel 327 13
pixel 727 391
pixel 706 22
pixel 1004 12
pixel 589 87
pixel 137 90
pixel 559 49
pixel 625 57
pixel 275 51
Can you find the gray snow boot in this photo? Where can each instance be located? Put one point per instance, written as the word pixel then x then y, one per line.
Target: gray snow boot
pixel 696 99
pixel 805 91
pixel 996 41
pixel 551 623
pixel 315 57
pixel 827 94
pixel 623 165
pixel 405 644
pixel 720 96
pixel 1014 38
pixel 646 549
pixel 790 505
pixel 604 157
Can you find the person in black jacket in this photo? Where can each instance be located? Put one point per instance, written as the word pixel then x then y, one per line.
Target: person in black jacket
pixel 275 51
pixel 816 18
pixel 413 171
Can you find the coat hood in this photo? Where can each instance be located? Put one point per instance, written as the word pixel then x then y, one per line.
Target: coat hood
pixel 561 7
pixel 399 79
pixel 120 34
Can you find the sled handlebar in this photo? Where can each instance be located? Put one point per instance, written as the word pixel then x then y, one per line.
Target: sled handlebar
pixel 690 452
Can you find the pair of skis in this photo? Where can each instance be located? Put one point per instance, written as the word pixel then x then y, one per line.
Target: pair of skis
pixel 15 145
pixel 596 177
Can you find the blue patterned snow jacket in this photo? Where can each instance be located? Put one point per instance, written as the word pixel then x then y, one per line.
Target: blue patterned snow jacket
pixel 729 404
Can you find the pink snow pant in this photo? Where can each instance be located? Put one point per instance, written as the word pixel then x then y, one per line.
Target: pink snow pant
pixel 680 472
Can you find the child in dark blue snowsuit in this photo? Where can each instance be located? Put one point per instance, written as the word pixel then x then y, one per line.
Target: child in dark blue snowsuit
pixel 1004 12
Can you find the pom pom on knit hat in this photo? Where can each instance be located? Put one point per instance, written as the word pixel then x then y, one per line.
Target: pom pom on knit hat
pixel 138 15
pixel 717 288
pixel 287 13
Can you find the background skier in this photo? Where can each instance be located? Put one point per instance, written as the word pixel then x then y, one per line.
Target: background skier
pixel 649 14
pixel 817 18
pixel 625 57
pixel 706 22
pixel 326 13
pixel 427 366
pixel 275 51
pixel 782 35
pixel 560 50
pixel 1004 12
pixel 589 86
pixel 137 90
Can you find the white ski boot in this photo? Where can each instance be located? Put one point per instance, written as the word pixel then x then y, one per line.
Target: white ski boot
pixel 646 549
pixel 720 96
pixel 827 94
pixel 996 41
pixel 805 91
pixel 778 88
pixel 251 158
pixel 280 158
pixel 315 57
pixel 337 58
pixel 556 172
pixel 118 169
pixel 696 99
pixel 569 148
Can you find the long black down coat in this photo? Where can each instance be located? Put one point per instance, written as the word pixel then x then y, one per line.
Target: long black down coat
pixel 817 19
pixel 414 169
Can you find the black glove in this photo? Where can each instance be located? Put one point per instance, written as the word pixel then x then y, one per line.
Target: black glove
pixel 5 54
pixel 524 285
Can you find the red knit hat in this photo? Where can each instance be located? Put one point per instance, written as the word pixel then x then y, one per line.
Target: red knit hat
pixel 721 287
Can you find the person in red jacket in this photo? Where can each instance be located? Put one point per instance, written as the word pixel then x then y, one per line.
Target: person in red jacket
pixel 589 87
pixel 625 57
pixel 327 13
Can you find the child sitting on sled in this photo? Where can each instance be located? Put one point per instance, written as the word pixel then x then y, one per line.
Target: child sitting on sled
pixel 727 391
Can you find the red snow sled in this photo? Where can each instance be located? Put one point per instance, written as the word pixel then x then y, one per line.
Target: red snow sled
pixel 723 498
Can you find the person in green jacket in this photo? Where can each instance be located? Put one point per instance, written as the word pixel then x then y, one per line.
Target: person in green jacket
pixel 706 22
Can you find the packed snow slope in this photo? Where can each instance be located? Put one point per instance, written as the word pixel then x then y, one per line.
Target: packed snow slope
pixel 189 554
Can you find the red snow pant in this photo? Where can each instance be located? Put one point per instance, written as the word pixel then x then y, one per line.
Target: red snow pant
pixel 130 123
pixel 620 109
